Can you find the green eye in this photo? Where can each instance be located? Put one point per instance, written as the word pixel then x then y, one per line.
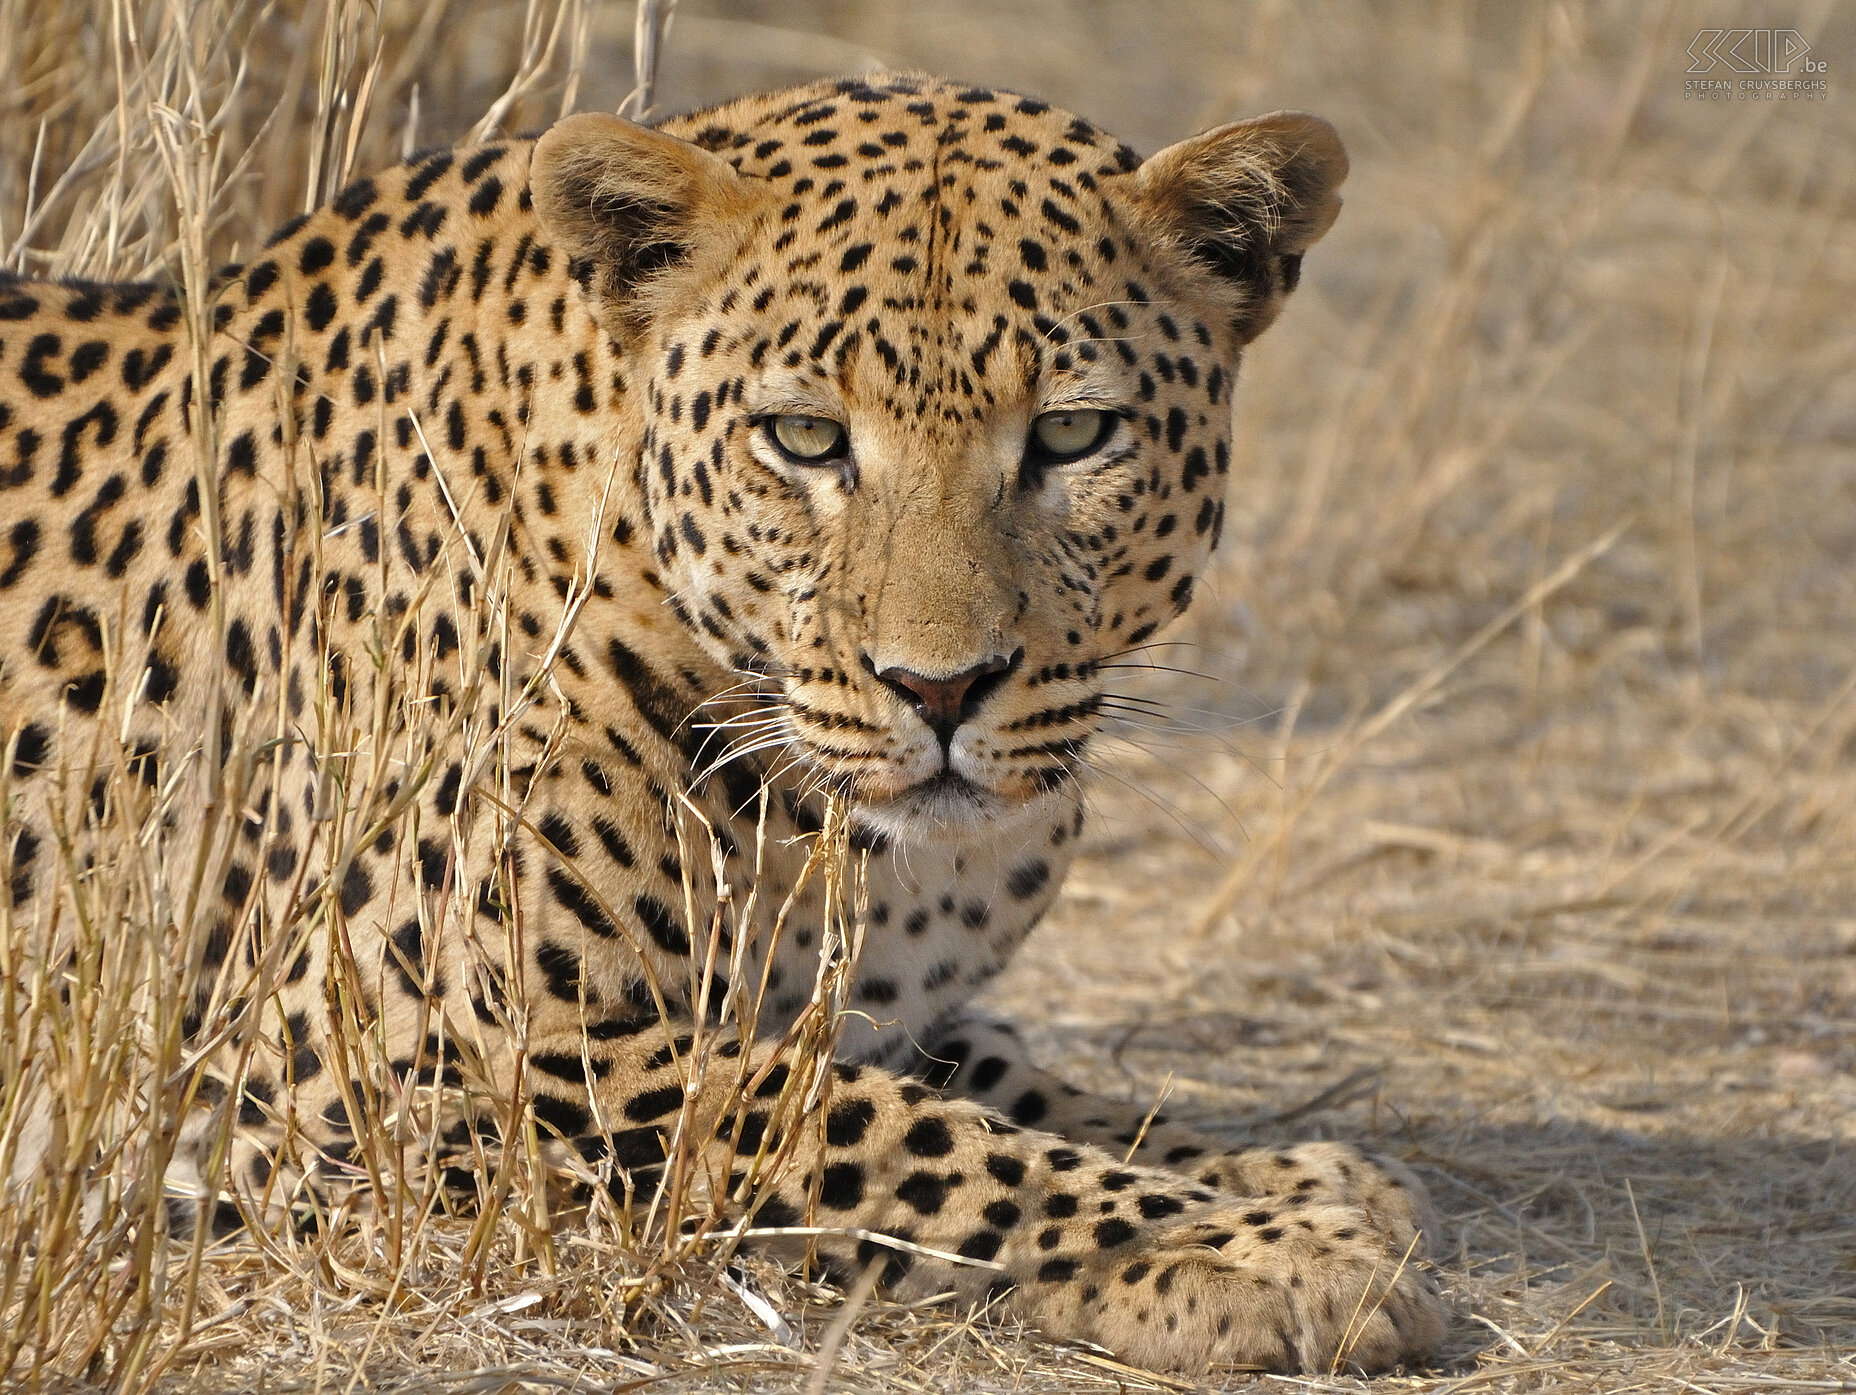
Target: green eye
pixel 809 439
pixel 1067 435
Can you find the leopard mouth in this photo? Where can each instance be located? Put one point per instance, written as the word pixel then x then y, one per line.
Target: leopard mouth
pixel 946 788
pixel 947 800
pixel 949 787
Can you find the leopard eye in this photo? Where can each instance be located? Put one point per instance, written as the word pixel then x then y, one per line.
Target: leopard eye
pixel 812 440
pixel 1060 436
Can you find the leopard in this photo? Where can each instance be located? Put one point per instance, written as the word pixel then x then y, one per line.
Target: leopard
pixel 804 463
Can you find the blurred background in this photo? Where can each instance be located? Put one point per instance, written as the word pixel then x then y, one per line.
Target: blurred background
pixel 1499 804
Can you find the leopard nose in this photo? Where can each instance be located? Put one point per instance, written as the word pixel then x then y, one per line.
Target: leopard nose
pixel 944 703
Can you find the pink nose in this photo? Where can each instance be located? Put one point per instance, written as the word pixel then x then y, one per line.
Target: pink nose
pixel 944 703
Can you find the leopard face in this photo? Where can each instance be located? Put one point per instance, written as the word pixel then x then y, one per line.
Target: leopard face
pixel 936 407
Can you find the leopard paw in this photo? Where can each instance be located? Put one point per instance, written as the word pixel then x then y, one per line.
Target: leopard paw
pixel 1311 1288
pixel 1386 1192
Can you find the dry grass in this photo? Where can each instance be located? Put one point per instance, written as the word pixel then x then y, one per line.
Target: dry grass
pixel 1532 862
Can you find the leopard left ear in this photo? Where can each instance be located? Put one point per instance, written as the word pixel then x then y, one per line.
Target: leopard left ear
pixel 1245 201
pixel 642 214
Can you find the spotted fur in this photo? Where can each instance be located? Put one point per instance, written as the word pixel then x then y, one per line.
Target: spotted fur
pixel 504 411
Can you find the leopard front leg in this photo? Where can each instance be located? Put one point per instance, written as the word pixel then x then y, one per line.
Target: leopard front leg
pixel 1137 1259
pixel 984 1059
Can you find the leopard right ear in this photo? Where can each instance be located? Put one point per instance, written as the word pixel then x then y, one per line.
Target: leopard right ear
pixel 637 212
pixel 1244 202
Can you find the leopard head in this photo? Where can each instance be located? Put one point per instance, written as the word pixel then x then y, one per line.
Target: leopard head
pixel 936 385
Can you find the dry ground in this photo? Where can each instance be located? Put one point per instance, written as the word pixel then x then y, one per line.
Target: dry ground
pixel 1531 863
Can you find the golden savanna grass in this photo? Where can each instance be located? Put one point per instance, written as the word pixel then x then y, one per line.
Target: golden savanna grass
pixel 1496 804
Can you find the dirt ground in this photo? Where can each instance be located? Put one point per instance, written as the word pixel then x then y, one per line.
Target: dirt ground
pixel 1498 801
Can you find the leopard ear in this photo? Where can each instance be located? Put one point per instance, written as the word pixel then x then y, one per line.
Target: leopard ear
pixel 637 212
pixel 1246 201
